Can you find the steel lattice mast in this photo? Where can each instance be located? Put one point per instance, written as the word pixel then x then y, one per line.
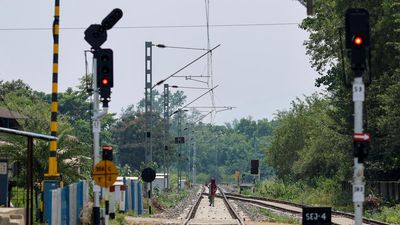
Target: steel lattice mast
pixel 148 101
pixel 166 130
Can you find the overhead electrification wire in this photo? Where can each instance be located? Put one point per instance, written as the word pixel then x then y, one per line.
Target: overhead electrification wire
pixel 156 26
pixel 209 57
pixel 211 89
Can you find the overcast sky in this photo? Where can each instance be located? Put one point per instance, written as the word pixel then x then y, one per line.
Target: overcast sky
pixel 259 69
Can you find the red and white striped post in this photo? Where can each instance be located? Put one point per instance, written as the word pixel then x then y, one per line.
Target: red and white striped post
pixel 112 202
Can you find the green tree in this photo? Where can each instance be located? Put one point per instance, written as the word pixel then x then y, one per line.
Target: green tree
pixel 324 48
pixel 74 142
pixel 129 132
pixel 304 145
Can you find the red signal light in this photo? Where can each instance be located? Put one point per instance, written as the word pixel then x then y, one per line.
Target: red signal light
pixel 358 40
pixel 104 81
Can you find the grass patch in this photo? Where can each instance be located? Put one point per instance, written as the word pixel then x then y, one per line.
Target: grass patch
pixel 170 198
pixel 120 218
pixel 278 218
pixel 387 214
pixel 323 192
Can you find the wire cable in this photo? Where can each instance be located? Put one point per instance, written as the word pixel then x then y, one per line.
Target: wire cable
pixel 157 26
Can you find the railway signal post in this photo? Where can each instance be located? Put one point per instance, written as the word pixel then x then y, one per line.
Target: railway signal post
pixel 96 35
pixel 97 114
pixel 357 44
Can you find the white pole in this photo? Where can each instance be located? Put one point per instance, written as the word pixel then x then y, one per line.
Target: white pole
pixel 96 141
pixel 358 176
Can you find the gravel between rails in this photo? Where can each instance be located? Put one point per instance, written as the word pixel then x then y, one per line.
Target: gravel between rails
pixel 183 207
pixel 248 212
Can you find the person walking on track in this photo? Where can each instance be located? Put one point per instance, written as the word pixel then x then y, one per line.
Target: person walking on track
pixel 212 191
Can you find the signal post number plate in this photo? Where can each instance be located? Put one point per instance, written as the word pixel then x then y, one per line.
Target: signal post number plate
pixel 358 193
pixel 96 126
pixel 358 92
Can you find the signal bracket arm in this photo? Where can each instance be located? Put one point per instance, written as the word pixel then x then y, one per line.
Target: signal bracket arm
pixel 98 115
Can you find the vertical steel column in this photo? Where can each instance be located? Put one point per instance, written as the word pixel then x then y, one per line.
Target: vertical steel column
pixel 180 148
pixel 193 163
pixel 188 143
pixel 52 170
pixel 358 176
pixel 29 183
pixel 166 129
pixel 148 101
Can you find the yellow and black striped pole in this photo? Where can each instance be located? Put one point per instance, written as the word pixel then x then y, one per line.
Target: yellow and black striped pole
pixel 51 178
pixel 52 170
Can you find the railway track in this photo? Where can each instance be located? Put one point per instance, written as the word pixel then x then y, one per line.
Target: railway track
pixel 338 218
pixel 221 213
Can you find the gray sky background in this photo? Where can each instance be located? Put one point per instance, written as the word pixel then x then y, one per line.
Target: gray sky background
pixel 259 69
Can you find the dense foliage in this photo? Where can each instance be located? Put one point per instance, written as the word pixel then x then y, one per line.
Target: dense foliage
pixel 74 132
pixel 313 138
pixel 222 150
pixel 382 101
pixel 129 133
pixel 306 145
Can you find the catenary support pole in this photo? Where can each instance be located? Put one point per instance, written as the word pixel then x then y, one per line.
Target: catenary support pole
pixel 166 131
pixel 180 148
pixel 194 163
pixel 188 156
pixel 148 101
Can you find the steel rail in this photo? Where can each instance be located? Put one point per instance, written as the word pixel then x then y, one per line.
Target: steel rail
pixel 233 213
pixel 253 200
pixel 264 204
pixel 193 210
